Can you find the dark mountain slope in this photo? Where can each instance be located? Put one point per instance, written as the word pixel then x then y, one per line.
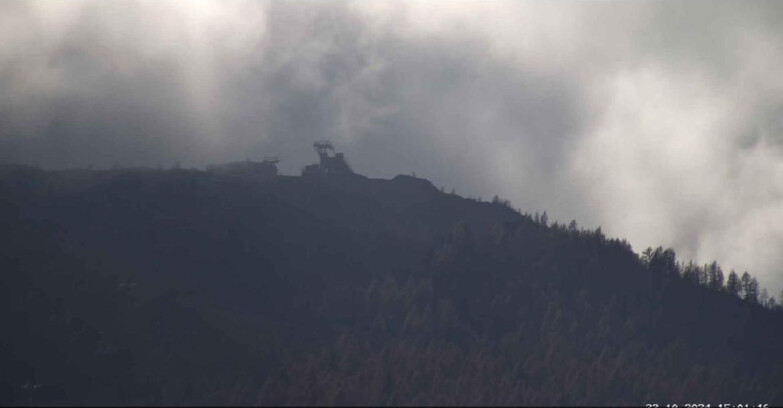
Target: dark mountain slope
pixel 180 286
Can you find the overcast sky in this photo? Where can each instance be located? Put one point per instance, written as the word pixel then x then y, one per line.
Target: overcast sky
pixel 660 122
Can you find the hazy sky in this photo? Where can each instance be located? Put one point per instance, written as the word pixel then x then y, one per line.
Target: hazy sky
pixel 661 122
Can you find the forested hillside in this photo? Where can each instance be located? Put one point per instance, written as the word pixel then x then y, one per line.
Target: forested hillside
pixel 189 287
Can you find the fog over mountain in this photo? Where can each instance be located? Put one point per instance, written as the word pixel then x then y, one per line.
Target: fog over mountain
pixel 660 122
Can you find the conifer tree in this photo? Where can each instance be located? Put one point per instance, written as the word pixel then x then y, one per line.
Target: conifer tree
pixel 733 284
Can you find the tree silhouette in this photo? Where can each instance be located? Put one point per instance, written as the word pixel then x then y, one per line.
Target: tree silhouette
pixel 733 284
pixel 691 272
pixel 750 288
pixel 753 291
pixel 715 276
pixel 764 297
pixel 661 261
pixel 745 286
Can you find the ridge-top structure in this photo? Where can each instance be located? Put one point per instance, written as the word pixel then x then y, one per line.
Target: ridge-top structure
pixel 329 164
pixel 266 169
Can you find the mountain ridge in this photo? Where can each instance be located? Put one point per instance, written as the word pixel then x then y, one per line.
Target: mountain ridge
pixel 163 286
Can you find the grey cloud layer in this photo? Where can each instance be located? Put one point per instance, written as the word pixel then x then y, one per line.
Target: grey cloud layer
pixel 658 121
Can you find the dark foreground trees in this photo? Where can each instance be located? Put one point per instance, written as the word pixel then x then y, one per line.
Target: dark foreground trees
pixel 183 287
